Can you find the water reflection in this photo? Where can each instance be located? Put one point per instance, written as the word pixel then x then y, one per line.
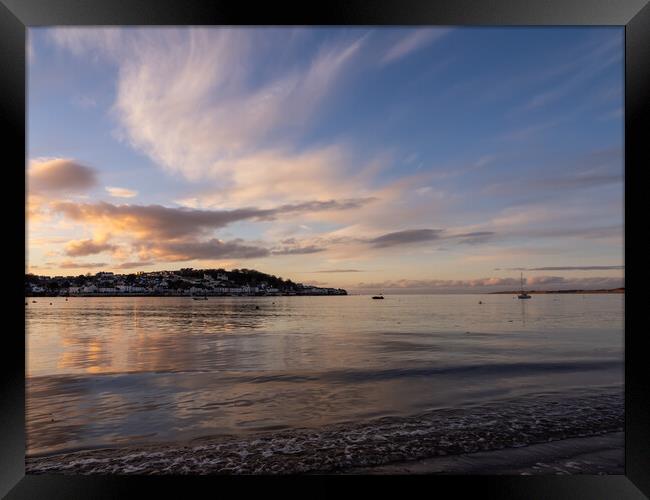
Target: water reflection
pixel 115 370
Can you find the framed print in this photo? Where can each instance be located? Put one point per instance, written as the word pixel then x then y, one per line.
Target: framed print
pixel 379 240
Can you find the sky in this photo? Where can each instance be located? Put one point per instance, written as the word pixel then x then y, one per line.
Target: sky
pixel 405 160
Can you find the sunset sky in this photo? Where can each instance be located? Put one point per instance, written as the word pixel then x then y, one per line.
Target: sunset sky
pixel 416 160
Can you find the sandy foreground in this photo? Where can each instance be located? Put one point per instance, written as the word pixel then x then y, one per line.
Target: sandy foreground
pixel 602 454
pixel 599 454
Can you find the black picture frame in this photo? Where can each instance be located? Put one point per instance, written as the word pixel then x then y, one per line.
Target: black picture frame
pixel 17 15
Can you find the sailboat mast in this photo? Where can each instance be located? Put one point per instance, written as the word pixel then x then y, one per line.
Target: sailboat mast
pixel 522 283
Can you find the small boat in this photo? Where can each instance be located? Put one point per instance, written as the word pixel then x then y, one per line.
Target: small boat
pixel 205 297
pixel 523 295
pixel 378 297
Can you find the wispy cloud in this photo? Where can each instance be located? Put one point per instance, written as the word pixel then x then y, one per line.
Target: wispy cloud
pixel 80 265
pixel 573 76
pixel 405 237
pixel 296 250
pixel 339 271
pixel 562 268
pixel 413 41
pixel 118 192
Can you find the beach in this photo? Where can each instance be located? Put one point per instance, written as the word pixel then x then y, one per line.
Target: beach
pixel 601 454
pixel 540 434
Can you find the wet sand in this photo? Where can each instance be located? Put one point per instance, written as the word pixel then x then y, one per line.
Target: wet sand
pixel 600 454
pixel 535 434
pixel 603 454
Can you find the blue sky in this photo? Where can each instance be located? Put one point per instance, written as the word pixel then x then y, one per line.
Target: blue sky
pixel 420 160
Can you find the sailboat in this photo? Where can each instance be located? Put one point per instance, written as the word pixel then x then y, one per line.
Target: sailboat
pixel 523 295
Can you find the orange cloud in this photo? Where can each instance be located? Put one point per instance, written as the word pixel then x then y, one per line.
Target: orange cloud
pixel 60 175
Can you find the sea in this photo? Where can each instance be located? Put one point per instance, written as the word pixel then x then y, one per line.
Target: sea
pixel 313 383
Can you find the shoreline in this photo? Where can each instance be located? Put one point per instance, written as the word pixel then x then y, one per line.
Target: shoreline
pixel 602 454
pixel 501 436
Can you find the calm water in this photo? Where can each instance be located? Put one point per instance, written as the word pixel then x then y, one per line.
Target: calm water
pixel 116 371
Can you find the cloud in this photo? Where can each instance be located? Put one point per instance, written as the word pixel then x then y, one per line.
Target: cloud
pixel 298 250
pixel 60 175
pixel 157 221
pixel 205 104
pixel 238 126
pixel 545 280
pixel 409 236
pixel 211 249
pixel 339 271
pixel 583 68
pixel 439 283
pixel 579 181
pixel 131 265
pixel 491 284
pixel 405 237
pixel 80 248
pixel 473 238
pixel 563 268
pixel 80 265
pixel 119 192
pixel 170 93
pixel 413 41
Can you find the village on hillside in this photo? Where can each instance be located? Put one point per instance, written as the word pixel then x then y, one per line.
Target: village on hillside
pixel 184 282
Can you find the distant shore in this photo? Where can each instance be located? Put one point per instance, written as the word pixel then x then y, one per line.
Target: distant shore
pixel 200 297
pixel 516 292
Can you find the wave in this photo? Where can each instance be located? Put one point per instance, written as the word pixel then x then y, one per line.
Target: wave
pixel 369 375
pixel 496 425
